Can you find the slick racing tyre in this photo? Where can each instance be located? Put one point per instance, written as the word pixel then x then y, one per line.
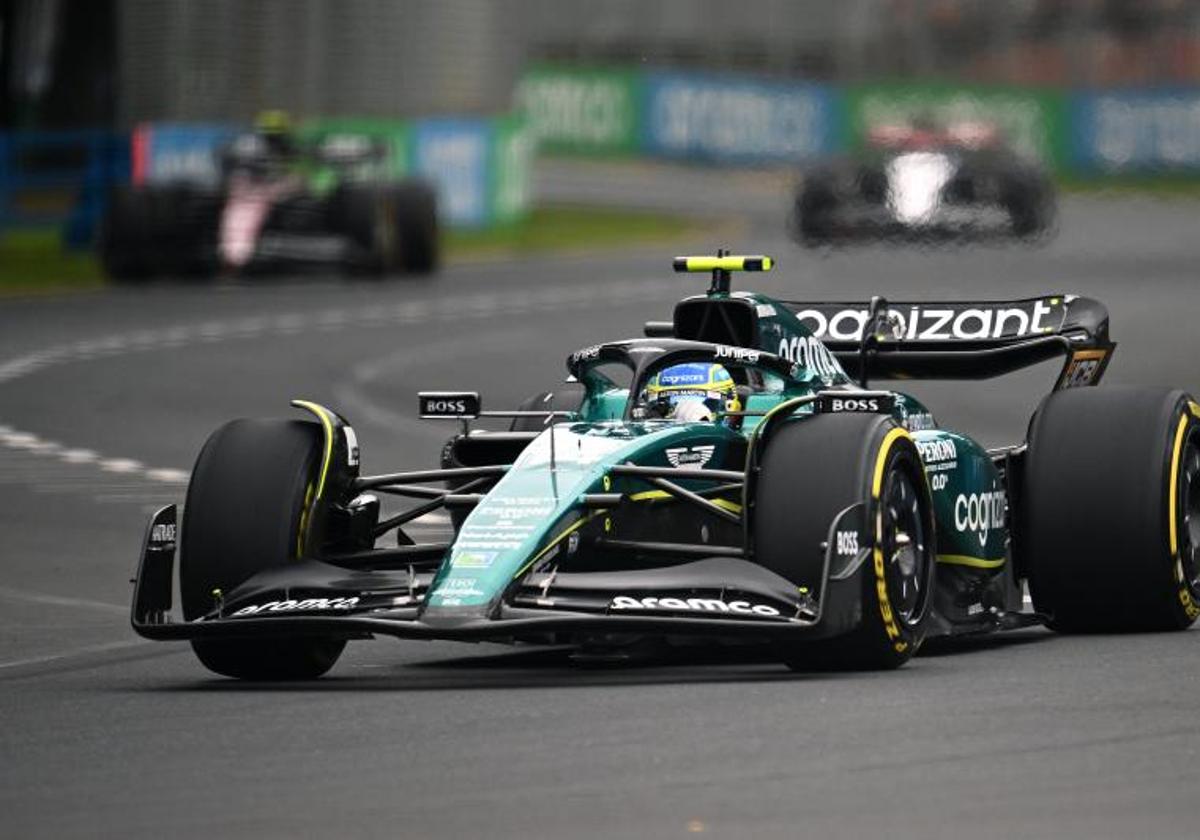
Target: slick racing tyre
pixel 858 458
pixel 394 228
pixel 814 209
pixel 417 227
pixel 1029 200
pixel 149 232
pixel 1110 510
pixel 367 217
pixel 245 513
pixel 124 243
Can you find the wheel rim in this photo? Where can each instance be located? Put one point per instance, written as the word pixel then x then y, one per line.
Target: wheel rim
pixel 906 546
pixel 1189 526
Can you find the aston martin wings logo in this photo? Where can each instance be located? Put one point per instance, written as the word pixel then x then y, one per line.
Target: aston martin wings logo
pixel 694 457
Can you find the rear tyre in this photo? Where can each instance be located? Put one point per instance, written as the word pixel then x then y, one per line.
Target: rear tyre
pixel 417 227
pixel 814 211
pixel 367 217
pixel 244 514
pixel 393 228
pixel 1110 510
pixel 859 458
pixel 1028 198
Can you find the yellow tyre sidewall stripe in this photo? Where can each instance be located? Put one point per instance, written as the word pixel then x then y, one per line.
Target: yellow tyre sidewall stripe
pixel 890 625
pixel 1190 607
pixel 327 425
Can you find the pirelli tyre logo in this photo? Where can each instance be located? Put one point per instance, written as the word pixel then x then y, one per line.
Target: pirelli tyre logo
pixel 941 321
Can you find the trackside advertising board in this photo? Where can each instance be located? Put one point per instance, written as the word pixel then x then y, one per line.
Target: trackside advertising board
pixel 510 169
pixel 393 135
pixel 736 119
pixel 580 110
pixel 1031 120
pixel 165 152
pixel 1136 130
pixel 453 155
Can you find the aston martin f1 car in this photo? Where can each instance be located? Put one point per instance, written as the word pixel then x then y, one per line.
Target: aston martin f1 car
pixel 729 477
pixel 281 203
pixel 925 182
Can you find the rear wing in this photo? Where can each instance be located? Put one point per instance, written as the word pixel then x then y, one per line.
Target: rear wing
pixel 963 340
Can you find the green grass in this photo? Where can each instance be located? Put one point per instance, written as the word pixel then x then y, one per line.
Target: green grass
pixel 568 228
pixel 35 261
pixel 1150 185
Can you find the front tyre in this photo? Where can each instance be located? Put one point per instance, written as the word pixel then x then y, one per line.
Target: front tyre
pixel 812 470
pixel 1110 510
pixel 245 513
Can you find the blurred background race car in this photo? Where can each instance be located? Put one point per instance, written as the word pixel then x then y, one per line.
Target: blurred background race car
pixel 926 180
pixel 281 201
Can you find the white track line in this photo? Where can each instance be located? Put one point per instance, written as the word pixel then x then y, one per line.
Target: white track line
pixel 60 601
pixel 31 444
pixel 451 309
pixel 82 651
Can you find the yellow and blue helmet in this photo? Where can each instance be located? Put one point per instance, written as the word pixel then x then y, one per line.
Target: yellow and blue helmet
pixel 694 382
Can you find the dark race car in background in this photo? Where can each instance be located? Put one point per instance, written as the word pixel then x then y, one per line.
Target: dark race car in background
pixel 839 524
pixel 280 203
pixel 925 182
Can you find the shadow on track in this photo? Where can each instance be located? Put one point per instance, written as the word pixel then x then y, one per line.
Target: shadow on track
pixel 960 645
pixel 532 667
pixel 550 667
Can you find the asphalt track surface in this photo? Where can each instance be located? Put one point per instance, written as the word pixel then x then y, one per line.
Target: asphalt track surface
pixel 105 399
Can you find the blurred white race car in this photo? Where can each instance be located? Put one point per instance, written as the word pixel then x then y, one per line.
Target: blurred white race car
pixel 925 181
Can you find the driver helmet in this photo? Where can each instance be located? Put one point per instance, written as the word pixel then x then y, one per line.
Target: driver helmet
pixel 274 129
pixel 694 391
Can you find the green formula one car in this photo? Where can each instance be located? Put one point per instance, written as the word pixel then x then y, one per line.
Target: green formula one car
pixel 728 477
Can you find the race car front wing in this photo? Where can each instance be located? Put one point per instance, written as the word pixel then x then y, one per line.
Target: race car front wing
pixel 715 596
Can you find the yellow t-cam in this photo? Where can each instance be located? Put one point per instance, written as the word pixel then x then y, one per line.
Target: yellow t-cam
pixel 722 266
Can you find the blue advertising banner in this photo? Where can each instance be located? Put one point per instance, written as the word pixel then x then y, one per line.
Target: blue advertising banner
pixel 454 154
pixel 166 152
pixel 735 119
pixel 1132 130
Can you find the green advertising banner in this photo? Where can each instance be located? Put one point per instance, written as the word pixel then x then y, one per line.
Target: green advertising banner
pixel 511 170
pixel 582 111
pixel 392 134
pixel 1032 120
